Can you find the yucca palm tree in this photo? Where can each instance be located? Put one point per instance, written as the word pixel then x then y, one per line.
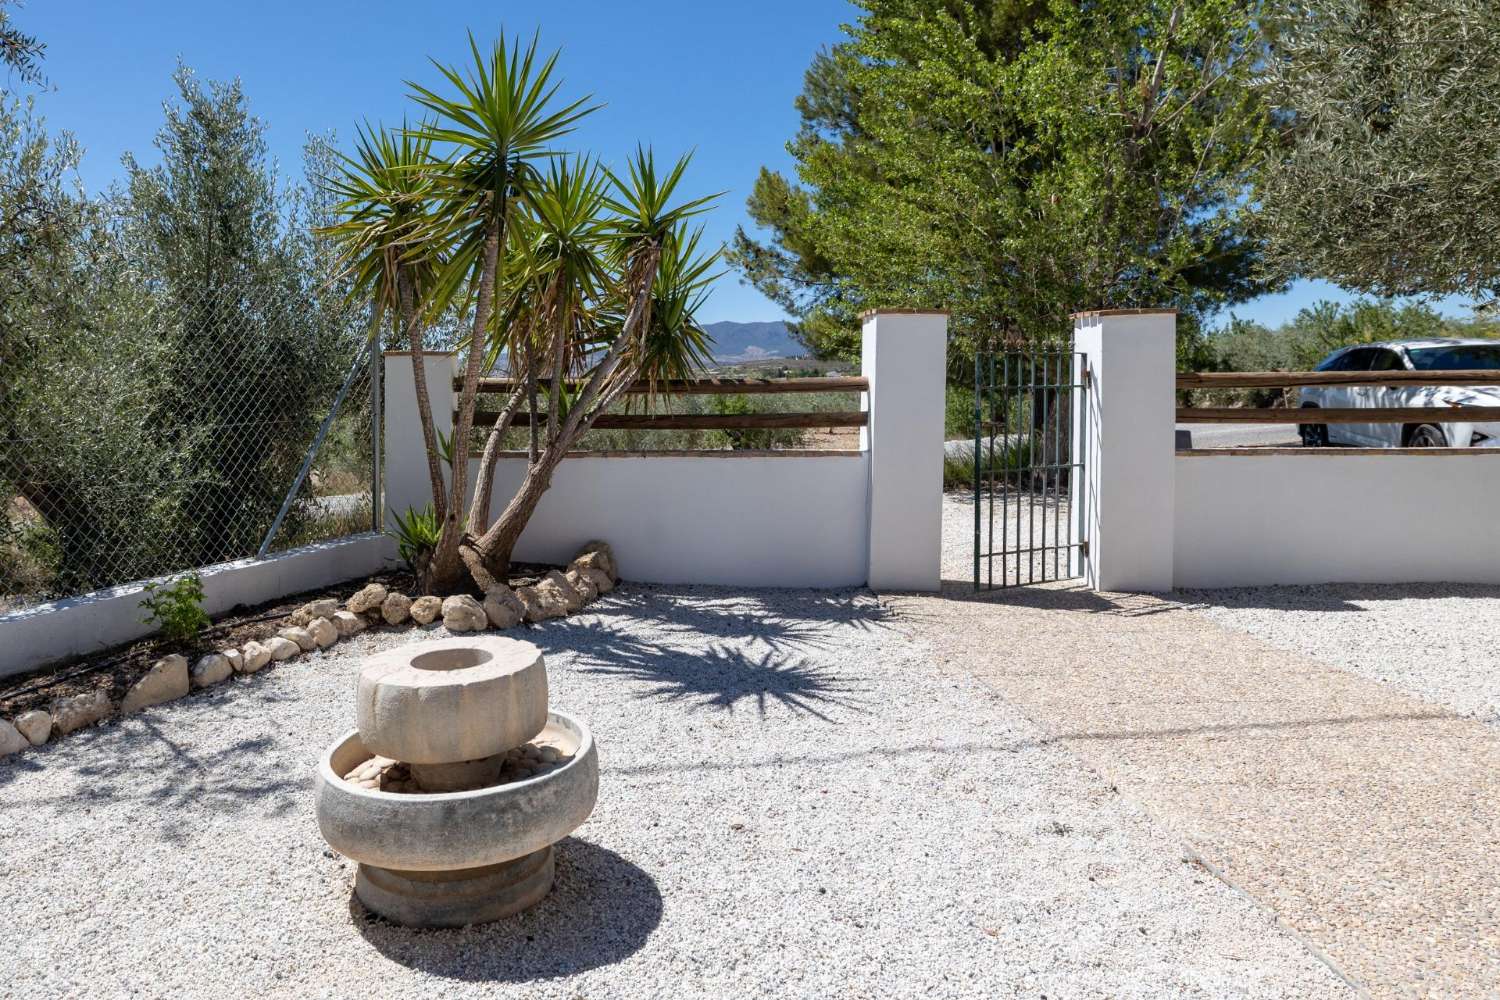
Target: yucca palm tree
pixel 583 280
pixel 560 259
pixel 493 129
pixel 606 357
pixel 383 194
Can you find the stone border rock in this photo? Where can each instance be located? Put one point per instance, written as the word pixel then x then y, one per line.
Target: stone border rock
pixel 317 625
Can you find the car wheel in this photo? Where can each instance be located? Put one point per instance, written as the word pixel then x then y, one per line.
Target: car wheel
pixel 1313 435
pixel 1426 436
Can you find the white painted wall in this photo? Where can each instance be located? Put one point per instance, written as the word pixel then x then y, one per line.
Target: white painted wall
pixel 1125 431
pixel 792 521
pixel 1360 517
pixel 406 481
pixel 44 633
pixel 904 355
pixel 789 520
pixel 1155 520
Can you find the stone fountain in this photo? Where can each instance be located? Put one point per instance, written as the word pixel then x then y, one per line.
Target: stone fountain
pixel 456 782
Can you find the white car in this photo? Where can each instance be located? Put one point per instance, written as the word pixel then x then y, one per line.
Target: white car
pixel 1407 355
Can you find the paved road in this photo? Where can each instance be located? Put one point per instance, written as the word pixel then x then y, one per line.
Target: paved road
pixel 1242 435
pixel 1204 436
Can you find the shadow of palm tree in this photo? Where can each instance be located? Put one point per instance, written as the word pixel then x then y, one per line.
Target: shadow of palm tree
pixel 683 662
pixel 789 616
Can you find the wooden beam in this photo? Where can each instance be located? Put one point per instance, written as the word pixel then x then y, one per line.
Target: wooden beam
pixel 704 421
pixel 1288 380
pixel 1338 452
pixel 1339 415
pixel 698 453
pixel 709 386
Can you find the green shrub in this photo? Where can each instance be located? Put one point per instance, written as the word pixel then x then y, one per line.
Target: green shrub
pixel 176 608
pixel 416 535
pixel 958 471
pixel 752 439
pixel 958 415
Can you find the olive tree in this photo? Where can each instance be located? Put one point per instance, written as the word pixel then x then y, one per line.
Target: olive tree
pixel 1389 181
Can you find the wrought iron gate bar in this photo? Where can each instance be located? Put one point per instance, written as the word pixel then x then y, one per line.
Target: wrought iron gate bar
pixel 1025 463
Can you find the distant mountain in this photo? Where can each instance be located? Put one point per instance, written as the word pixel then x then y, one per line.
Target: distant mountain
pixel 753 341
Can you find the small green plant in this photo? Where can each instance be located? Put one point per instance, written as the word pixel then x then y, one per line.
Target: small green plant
pixel 416 534
pixel 176 608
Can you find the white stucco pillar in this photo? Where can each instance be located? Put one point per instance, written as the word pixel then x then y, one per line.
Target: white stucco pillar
pixel 407 484
pixel 904 356
pixel 1125 433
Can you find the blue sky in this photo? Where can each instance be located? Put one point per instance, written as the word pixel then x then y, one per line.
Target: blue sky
pixel 717 78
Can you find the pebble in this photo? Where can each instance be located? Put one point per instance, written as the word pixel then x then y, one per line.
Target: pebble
pixel 35 725
pixel 301 636
pixel 11 740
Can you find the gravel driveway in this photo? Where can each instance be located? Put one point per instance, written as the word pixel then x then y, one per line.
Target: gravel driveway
pixel 1436 641
pixel 795 802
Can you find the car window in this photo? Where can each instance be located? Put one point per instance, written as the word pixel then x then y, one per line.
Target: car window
pixel 1357 360
pixel 1386 361
pixel 1458 357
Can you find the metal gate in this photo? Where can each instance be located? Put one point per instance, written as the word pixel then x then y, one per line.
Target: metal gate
pixel 1028 467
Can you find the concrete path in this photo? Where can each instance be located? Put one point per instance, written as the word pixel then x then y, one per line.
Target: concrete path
pixel 1366 819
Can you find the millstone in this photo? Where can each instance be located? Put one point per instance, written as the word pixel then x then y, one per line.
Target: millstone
pixel 451 700
pixel 455 898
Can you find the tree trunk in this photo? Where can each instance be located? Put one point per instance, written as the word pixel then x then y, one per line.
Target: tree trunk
pixel 488 557
pixel 484 486
pixel 409 314
pixel 447 568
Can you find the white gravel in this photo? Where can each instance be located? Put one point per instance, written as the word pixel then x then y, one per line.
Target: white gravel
pixel 794 803
pixel 1435 641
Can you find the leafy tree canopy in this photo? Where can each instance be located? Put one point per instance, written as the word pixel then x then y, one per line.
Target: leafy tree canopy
pixel 1015 160
pixel 1389 181
pixel 1322 328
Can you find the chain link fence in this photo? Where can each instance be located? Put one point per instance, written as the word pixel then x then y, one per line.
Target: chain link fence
pixel 163 433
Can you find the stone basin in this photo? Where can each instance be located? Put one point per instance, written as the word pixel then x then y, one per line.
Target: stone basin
pixel 448 831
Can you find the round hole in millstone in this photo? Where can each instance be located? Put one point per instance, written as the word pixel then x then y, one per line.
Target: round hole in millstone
pixel 452 659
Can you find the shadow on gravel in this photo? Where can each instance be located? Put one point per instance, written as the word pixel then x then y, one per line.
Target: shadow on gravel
pixel 1271 726
pixel 715 675
pixel 1331 596
pixel 140 759
pixel 772 615
pixel 602 909
pixel 1067 595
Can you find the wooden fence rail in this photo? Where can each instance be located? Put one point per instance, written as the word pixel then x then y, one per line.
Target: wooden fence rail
pixel 708 386
pixel 704 421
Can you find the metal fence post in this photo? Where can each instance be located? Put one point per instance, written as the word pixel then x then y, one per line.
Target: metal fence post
pixel 312 453
pixel 377 393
